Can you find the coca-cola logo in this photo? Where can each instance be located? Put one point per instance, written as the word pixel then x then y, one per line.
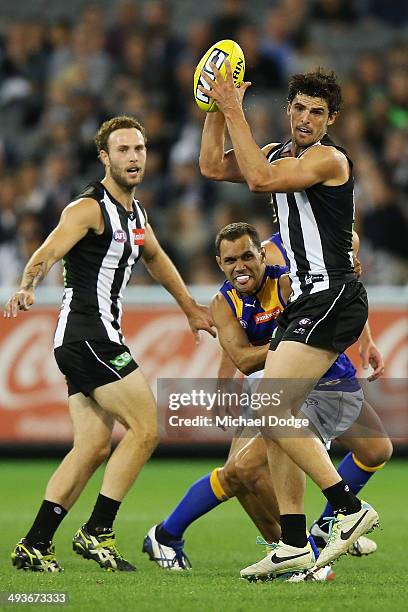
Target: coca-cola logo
pixel 28 373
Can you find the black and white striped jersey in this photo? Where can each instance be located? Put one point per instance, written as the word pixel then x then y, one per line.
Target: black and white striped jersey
pixel 316 229
pixel 97 269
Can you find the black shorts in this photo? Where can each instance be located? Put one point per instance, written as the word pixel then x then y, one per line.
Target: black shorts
pixel 92 363
pixel 332 319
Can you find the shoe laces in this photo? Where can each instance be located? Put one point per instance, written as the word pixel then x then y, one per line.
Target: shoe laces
pixel 50 561
pixel 110 544
pixel 180 556
pixel 332 522
pixel 269 546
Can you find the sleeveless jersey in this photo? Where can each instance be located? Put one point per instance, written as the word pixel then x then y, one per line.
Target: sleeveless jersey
pixel 97 269
pixel 257 312
pixel 316 230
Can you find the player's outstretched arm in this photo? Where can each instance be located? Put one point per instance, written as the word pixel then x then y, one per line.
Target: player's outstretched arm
pixel 246 357
pixel 162 269
pixel 284 175
pixel 75 221
pixel 370 354
pixel 215 163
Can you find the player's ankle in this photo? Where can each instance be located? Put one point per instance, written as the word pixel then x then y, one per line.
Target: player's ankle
pixel 341 498
pixel 164 537
pixel 293 527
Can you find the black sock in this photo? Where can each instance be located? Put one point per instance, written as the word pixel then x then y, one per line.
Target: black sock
pixel 163 536
pixel 341 498
pixel 46 523
pixel 324 525
pixel 103 514
pixel 293 528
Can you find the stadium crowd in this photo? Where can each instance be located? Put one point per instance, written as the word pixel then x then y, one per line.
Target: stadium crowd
pixel 59 79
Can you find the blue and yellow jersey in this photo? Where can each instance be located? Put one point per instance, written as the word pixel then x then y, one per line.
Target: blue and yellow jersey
pixel 257 312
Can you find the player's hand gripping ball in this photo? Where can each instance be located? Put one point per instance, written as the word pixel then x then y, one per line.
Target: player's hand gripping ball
pixel 225 49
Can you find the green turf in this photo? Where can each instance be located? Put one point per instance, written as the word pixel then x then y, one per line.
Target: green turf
pixel 218 545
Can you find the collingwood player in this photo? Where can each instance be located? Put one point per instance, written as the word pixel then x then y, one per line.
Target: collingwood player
pixel 245 319
pixel 311 182
pixel 100 237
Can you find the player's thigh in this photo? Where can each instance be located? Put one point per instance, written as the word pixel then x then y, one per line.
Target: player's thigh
pixel 291 371
pixel 91 424
pixel 298 360
pixel 130 400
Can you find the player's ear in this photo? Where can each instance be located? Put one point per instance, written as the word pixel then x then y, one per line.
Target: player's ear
pixel 104 157
pixel 332 118
pixel 263 254
pixel 218 258
pixel 288 108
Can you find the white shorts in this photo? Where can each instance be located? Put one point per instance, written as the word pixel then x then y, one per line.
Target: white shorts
pixel 331 412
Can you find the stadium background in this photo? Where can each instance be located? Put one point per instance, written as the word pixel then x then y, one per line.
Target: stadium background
pixel 67 66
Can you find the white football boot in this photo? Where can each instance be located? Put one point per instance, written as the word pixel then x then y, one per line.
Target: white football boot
pixel 363 546
pixel 324 574
pixel 345 530
pixel 281 559
pixel 171 557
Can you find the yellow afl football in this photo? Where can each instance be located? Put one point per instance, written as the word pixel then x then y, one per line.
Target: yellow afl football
pixel 217 54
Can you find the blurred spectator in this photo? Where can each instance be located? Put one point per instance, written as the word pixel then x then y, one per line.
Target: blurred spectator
pixel 335 12
pixel 229 19
pixel 393 13
pixel 59 80
pixel 127 22
pixel 262 68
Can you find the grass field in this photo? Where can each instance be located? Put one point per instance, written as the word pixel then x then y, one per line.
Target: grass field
pixel 218 545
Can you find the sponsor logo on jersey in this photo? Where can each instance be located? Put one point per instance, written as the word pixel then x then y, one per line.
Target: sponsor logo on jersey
pixel 264 317
pixel 119 236
pixel 244 324
pixel 138 236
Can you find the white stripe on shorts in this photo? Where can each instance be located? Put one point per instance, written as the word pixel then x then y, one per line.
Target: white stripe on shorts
pixel 320 320
pixel 102 362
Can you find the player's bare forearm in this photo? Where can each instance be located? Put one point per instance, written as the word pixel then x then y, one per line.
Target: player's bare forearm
pixel 365 336
pixel 226 368
pixel 370 354
pixel 214 162
pixel 251 359
pixel 251 161
pixel 34 272
pixel 162 269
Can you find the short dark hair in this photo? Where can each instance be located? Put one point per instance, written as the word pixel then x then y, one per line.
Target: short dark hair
pixel 111 125
pixel 233 231
pixel 317 84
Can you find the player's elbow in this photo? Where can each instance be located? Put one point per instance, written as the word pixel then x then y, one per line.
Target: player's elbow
pixel 209 170
pixel 245 364
pixel 258 184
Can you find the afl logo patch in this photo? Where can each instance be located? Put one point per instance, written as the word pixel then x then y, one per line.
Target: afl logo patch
pixel 119 236
pixel 305 322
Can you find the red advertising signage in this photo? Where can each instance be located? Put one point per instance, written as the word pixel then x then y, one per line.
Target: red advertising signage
pixel 33 399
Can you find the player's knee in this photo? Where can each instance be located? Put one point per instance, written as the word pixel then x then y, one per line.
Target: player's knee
pixel 228 478
pixel 247 470
pixel 95 454
pixel 150 438
pixel 377 452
